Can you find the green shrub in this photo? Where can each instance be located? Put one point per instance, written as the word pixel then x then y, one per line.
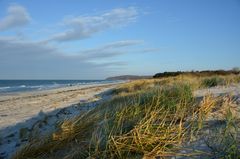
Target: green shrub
pixel 212 82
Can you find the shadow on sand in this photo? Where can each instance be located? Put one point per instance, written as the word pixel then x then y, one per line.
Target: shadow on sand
pixel 14 136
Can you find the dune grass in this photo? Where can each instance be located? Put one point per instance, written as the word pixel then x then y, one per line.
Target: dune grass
pixel 224 142
pixel 213 81
pixel 144 119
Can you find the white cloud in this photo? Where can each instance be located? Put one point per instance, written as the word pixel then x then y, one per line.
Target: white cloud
pixel 82 27
pixel 123 43
pixel 108 50
pixel 16 16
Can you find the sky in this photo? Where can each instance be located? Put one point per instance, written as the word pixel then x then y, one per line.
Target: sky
pixel 72 39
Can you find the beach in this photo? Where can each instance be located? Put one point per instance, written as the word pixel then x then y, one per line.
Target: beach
pixel 21 112
pixel 73 117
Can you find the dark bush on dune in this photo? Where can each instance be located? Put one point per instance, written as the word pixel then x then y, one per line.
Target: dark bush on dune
pixel 197 73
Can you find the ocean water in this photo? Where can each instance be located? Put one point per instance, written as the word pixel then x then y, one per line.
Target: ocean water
pixel 11 86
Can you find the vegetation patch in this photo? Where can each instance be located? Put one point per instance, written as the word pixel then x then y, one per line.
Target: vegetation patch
pixel 144 119
pixel 213 82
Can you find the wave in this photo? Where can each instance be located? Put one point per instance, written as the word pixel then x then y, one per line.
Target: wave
pixel 1 88
pixel 39 86
pixel 18 88
pixel 22 86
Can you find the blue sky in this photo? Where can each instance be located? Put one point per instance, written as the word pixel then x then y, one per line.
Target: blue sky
pixel 96 39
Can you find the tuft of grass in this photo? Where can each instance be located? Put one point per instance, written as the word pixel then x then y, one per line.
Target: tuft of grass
pixel 23 133
pixel 224 141
pixel 212 82
pixel 205 108
pixel 146 125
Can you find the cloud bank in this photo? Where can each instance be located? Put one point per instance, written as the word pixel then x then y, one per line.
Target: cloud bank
pixel 35 60
pixel 21 58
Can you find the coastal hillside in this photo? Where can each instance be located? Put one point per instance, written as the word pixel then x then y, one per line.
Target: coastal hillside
pixel 183 117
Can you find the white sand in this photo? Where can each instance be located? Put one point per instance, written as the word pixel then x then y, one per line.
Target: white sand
pixel 220 90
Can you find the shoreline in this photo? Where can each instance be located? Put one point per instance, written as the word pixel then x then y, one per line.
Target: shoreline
pixel 24 113
pixel 23 86
pixel 6 95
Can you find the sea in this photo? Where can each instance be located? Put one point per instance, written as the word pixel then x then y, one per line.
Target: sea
pixel 12 86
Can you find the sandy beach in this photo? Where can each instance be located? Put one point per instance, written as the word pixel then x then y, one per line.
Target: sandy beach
pixel 39 111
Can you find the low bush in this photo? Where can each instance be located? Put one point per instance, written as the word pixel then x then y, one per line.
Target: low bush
pixel 212 82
